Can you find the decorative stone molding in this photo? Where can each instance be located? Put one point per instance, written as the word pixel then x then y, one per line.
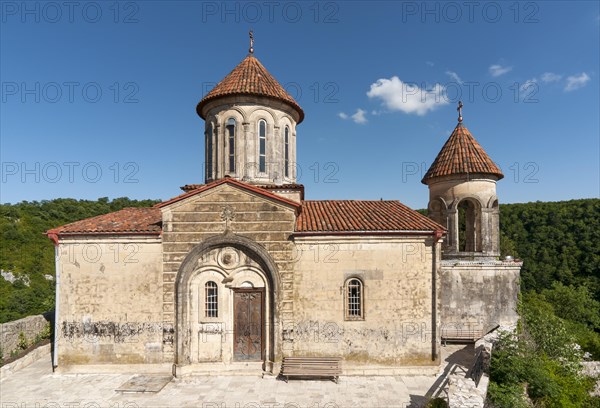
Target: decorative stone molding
pixel 231 242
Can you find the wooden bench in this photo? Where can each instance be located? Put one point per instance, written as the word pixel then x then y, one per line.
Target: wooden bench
pixel 311 367
pixel 460 335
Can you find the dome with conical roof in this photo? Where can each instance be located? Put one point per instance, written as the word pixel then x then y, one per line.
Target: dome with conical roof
pixel 250 77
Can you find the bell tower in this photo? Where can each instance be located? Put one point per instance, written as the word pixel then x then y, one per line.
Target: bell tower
pixel 462 196
pixel 250 126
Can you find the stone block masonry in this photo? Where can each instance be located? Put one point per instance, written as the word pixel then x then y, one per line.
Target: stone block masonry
pixel 30 326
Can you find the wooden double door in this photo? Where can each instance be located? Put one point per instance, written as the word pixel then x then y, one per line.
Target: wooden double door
pixel 248 333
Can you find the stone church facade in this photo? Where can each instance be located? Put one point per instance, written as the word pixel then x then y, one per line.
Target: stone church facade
pixel 239 272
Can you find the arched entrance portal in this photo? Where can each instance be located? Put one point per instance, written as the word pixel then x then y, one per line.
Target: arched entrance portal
pixel 226 291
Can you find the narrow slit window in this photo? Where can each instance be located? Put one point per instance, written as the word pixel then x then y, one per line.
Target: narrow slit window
pixel 286 155
pixel 209 152
pixel 211 303
pixel 231 139
pixel 354 299
pixel 262 146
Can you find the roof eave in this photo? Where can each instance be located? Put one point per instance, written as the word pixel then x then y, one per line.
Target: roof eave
pixel 370 233
pixel 53 235
pixel 428 179
pixel 200 106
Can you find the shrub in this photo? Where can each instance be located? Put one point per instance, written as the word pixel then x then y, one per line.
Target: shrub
pixel 22 344
pixel 506 396
pixel 46 333
pixel 437 403
pixel 541 362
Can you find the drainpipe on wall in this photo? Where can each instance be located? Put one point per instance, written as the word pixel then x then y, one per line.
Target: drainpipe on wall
pixel 435 252
pixel 54 238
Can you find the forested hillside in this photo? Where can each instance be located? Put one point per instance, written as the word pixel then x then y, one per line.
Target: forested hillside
pixel 558 241
pixel 29 254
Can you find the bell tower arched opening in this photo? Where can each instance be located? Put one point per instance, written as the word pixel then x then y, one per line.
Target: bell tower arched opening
pixel 469 226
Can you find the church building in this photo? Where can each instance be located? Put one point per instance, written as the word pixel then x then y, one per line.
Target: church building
pixel 237 273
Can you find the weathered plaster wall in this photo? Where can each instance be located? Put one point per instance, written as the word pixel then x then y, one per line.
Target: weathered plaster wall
pixel 397 273
pixel 479 295
pixel 110 307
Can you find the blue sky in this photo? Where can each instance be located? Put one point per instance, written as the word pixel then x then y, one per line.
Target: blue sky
pixel 98 98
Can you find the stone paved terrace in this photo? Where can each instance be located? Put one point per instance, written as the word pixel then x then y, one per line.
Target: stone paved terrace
pixel 36 386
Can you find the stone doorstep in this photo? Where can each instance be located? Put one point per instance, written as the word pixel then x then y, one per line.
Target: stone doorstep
pixel 29 358
pixel 236 369
pixel 347 370
pixel 162 368
pixel 390 371
pixel 221 369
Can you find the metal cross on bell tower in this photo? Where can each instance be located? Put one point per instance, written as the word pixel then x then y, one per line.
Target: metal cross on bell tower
pixel 459 109
pixel 251 50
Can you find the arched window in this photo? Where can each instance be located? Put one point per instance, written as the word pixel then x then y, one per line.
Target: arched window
pixel 209 152
pixel 262 146
pixel 230 129
pixel 211 299
pixel 354 299
pixel 286 152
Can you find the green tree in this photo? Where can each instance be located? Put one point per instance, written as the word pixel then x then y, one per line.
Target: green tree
pixel 28 253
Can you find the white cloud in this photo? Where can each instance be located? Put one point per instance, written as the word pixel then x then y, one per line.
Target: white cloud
pixel 408 98
pixel 358 117
pixel 496 70
pixel 454 76
pixel 431 64
pixel 550 77
pixel 576 81
pixel 528 85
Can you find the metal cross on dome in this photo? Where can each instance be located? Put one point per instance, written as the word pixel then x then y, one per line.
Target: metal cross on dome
pixel 227 215
pixel 251 50
pixel 459 109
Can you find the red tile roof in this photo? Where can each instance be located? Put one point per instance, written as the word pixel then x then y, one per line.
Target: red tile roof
pixel 315 217
pixel 250 77
pixel 347 216
pixel 461 155
pixel 146 221
pixel 231 181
